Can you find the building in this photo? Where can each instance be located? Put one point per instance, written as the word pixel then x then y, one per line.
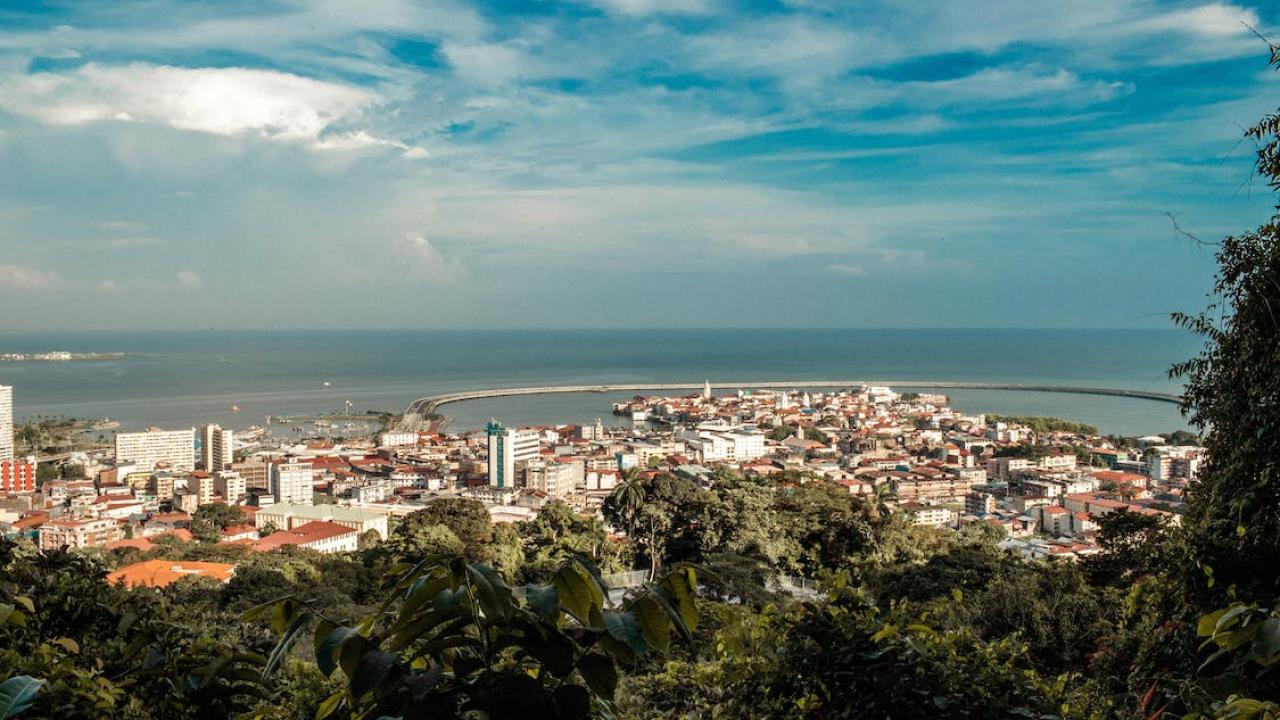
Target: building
pixel 324 537
pixel 256 474
pixel 398 439
pixel 201 485
pixel 287 516
pixel 6 423
pixel 558 479
pixel 216 448
pixel 291 482
pixel 78 533
pixel 175 448
pixel 163 573
pixel 230 485
pixel 17 476
pixel 506 448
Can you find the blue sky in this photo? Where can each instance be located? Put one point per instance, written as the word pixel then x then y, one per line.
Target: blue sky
pixel 603 163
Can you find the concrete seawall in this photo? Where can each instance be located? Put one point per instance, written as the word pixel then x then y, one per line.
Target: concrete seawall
pixel 426 406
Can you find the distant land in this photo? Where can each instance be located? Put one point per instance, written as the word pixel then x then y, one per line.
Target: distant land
pixel 59 356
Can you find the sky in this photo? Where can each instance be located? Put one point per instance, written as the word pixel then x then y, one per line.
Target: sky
pixel 623 163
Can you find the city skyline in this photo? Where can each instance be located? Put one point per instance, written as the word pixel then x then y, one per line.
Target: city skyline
pixel 622 163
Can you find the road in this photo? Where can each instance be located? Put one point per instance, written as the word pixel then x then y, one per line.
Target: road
pixel 424 407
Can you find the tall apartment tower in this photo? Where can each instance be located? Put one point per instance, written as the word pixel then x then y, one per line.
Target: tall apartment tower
pixel 177 448
pixel 506 448
pixel 216 448
pixel 6 423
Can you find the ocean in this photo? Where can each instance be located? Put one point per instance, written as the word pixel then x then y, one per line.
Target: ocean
pixel 185 379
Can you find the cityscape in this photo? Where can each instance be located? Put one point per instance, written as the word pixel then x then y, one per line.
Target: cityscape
pixel 1041 482
pixel 639 359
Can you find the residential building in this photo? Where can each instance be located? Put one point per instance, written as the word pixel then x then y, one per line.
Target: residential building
pixel 175 448
pixel 506 448
pixel 398 439
pixel 6 423
pixel 17 476
pixel 230 485
pixel 256 474
pixel 558 479
pixel 78 533
pixel 201 485
pixel 216 448
pixel 291 482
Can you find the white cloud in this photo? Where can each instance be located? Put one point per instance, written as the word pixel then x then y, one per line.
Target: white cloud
pixel 1214 19
pixel 188 279
pixel 21 277
pixel 220 101
pixel 654 7
pixel 847 269
pixel 429 261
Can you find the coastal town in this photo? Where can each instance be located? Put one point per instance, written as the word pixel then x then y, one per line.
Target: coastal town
pixel 1041 483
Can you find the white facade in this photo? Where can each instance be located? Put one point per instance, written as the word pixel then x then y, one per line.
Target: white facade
pixel 291 482
pixel 506 448
pixel 216 448
pixel 147 449
pixel 230 485
pixel 724 446
pixel 6 423
pixel 397 439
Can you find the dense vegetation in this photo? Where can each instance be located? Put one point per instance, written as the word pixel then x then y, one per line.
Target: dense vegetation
pixel 1046 424
pixel 453 617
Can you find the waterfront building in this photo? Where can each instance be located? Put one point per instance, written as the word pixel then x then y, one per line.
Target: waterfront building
pixel 216 448
pixel 291 482
pixel 6 423
pixel 506 448
pixel 175 448
pixel 397 439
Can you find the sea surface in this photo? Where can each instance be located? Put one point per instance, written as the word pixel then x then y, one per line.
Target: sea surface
pixel 185 379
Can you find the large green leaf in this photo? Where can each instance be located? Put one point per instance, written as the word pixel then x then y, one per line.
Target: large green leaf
pixel 491 592
pixel 544 600
pixel 292 631
pixel 654 622
pixel 579 596
pixel 1266 644
pixel 329 647
pixel 17 694
pixel 682 584
pixel 600 672
pixel 625 628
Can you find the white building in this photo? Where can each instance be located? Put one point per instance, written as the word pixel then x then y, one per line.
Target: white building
pixel 506 448
pixel 291 482
pixel 216 448
pixel 724 446
pixel 287 517
pixel 557 479
pixel 177 448
pixel 230 485
pixel 6 423
pixel 398 439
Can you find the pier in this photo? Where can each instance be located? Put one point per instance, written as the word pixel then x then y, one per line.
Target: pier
pixel 424 407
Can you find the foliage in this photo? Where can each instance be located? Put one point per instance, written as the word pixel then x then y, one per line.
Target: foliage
pixel 210 519
pixel 1043 424
pixel 453 639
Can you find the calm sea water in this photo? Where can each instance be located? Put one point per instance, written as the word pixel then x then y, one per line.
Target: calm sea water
pixel 182 379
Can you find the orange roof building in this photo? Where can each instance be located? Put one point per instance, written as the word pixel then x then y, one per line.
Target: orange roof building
pixel 163 573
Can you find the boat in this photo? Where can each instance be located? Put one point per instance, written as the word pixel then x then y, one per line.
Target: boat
pixel 235 408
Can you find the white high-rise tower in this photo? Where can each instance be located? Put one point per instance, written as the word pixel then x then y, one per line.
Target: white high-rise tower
pixel 6 423
pixel 216 450
pixel 706 390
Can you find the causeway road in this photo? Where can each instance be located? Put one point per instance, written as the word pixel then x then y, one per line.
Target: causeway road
pixel 424 407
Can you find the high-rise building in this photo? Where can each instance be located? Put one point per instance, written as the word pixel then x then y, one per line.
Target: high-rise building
pixel 230 485
pixel 177 448
pixel 291 482
pixel 6 423
pixel 216 450
pixel 506 448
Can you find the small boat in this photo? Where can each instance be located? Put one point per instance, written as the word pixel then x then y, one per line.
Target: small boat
pixel 327 383
pixel 235 408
